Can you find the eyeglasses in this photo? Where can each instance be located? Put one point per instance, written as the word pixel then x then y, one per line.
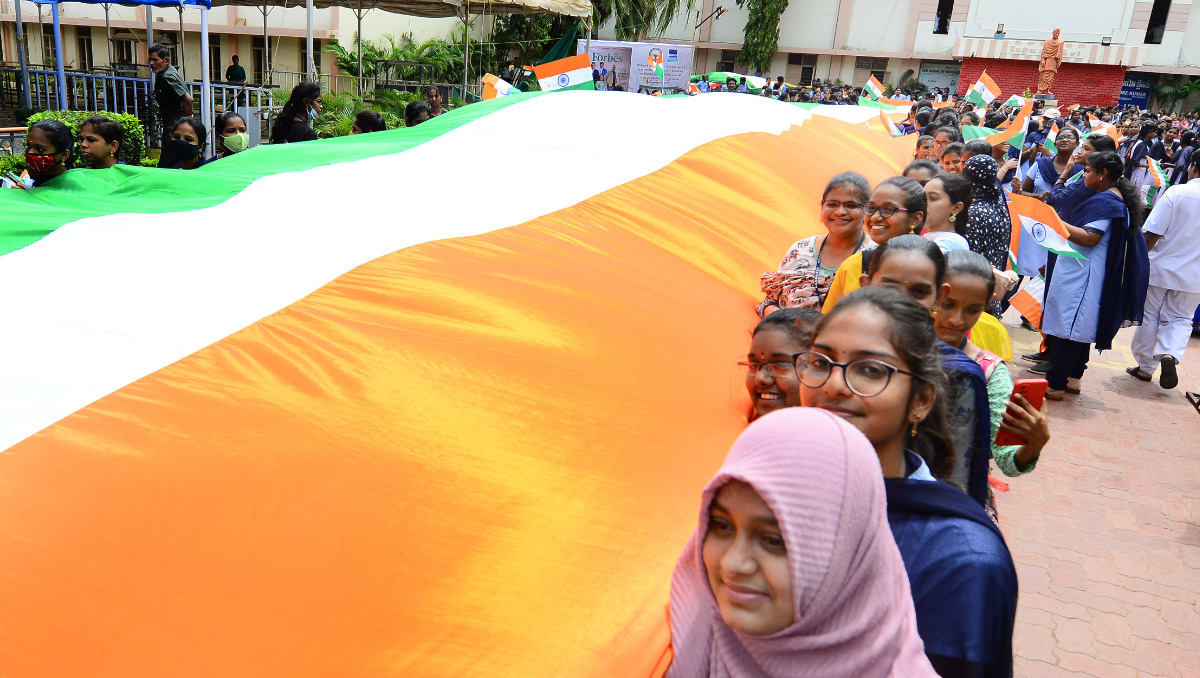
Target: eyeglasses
pixel 777 369
pixel 866 377
pixel 832 205
pixel 884 212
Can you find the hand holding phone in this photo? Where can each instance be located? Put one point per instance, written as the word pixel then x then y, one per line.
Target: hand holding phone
pixel 1024 422
pixel 16 180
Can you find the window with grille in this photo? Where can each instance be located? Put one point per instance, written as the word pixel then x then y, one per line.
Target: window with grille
pixel 47 49
pixel 83 48
pixel 123 51
pixel 801 68
pixel 728 60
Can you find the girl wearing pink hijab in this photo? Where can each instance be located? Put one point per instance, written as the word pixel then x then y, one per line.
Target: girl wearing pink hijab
pixel 793 570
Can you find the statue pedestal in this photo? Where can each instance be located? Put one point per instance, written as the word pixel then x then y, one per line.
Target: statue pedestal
pixel 1048 100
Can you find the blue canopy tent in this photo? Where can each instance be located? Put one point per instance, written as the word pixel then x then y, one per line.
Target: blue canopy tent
pixel 206 104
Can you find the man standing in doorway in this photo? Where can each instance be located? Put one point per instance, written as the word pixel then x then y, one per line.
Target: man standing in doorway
pixel 172 97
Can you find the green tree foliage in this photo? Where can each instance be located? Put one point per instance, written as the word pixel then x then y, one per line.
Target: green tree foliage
pixel 638 19
pixel 760 41
pixel 1169 91
pixel 446 58
pixel 131 151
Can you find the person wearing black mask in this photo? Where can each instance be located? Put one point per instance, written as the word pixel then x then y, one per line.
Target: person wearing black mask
pixel 49 151
pixel 187 140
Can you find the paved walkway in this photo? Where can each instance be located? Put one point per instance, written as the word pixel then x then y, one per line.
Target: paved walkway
pixel 1106 531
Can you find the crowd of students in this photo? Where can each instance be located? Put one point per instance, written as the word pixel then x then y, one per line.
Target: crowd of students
pixel 814 557
pixel 51 148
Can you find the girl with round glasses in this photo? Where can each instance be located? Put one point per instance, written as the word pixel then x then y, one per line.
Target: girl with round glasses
pixel 964 585
pixel 804 275
pixel 769 369
pixel 897 206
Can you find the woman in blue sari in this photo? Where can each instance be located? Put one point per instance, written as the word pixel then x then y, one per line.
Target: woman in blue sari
pixel 875 361
pixel 1104 288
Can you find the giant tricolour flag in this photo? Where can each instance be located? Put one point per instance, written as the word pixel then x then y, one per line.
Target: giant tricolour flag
pixel 983 91
pixel 574 72
pixel 348 408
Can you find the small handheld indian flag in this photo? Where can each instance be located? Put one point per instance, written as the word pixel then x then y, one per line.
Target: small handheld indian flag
pixel 875 88
pixel 1014 132
pixel 1159 182
pixel 494 86
pixel 1050 137
pixel 1040 225
pixel 571 73
pixel 983 91
pixel 1093 121
pixel 889 125
pixel 1028 300
pixel 1015 100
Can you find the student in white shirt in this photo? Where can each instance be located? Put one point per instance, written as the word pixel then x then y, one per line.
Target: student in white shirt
pixel 1172 235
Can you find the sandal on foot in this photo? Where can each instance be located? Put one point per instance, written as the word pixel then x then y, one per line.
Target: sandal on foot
pixel 1137 373
pixel 1055 394
pixel 1074 386
pixel 1168 377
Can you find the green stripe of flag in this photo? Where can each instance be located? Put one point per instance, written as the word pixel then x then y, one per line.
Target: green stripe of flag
pixel 83 193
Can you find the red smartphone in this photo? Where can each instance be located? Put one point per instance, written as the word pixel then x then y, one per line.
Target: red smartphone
pixel 1033 390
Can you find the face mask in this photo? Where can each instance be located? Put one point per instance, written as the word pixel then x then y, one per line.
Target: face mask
pixel 38 164
pixel 312 114
pixel 182 150
pixel 236 143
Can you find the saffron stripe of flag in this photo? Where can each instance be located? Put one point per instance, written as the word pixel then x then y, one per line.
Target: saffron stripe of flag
pixel 983 91
pixel 875 88
pixel 1035 222
pixel 302 457
pixel 574 72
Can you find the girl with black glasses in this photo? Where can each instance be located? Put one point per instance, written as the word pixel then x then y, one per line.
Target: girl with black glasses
pixel 876 362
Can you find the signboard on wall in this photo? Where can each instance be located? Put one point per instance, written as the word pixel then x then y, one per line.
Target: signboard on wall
pixel 627 66
pixel 1136 90
pixel 940 74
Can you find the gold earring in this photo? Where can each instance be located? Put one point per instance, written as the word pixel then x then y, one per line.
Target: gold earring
pixel 953 217
pixel 916 419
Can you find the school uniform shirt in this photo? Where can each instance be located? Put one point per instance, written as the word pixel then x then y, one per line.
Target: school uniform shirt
pixel 1175 260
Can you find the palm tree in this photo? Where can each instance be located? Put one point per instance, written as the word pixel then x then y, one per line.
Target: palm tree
pixel 1171 90
pixel 636 19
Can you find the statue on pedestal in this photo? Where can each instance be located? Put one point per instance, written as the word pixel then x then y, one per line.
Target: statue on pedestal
pixel 1052 54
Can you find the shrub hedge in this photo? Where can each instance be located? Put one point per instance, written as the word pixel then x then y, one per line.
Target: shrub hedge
pixel 132 151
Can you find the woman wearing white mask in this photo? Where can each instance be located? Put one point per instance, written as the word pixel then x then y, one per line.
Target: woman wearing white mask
pixel 298 115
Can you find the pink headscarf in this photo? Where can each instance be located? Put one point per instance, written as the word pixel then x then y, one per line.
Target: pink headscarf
pixel 853 610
